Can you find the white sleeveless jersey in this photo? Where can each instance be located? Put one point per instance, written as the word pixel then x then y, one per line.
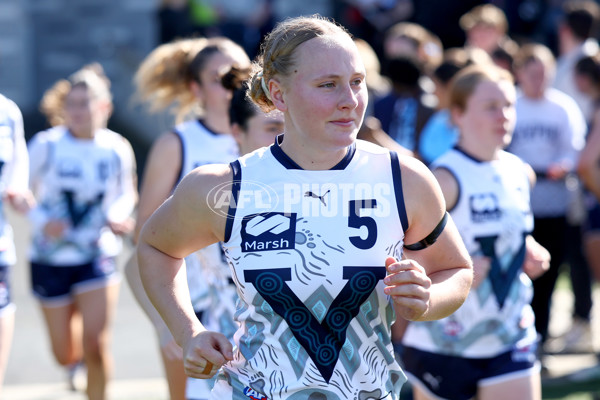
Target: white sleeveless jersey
pixel 493 216
pixel 209 279
pixel 84 183
pixel 307 251
pixel 14 170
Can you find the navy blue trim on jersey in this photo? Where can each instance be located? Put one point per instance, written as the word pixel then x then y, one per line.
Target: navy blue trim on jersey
pixel 399 194
pixel 280 156
pixel 179 136
pixel 236 184
pixel 212 132
pixel 347 158
pixel 457 184
pixel 288 163
pixel 469 156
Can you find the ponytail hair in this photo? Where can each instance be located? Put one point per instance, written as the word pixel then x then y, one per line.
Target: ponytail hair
pixel 241 108
pixel 163 80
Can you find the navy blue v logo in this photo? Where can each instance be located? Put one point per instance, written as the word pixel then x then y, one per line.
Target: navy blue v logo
pixel 321 340
pixel 501 280
pixel 77 213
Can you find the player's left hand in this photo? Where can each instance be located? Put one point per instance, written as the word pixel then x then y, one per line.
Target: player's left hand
pixel 122 227
pixel 537 258
pixel 22 202
pixel 408 284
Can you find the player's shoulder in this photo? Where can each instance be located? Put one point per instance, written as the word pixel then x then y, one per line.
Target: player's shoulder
pixel 256 158
pixel 52 134
pixel 113 140
pixel 369 148
pixel 9 106
pixel 207 184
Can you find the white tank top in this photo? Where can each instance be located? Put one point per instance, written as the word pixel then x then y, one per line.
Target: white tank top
pixel 209 279
pixel 307 251
pixel 81 182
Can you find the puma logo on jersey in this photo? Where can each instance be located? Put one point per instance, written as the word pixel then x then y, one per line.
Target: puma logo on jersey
pixel 268 231
pixel 253 394
pixel 316 196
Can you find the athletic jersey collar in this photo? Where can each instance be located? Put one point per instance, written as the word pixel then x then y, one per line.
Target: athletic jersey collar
pixel 78 139
pixel 469 156
pixel 203 125
pixel 288 163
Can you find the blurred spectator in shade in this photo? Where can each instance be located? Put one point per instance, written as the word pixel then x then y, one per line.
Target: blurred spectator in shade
pixel 527 19
pixel 578 336
pixel 548 135
pixel 588 79
pixel 412 40
pixel 283 9
pixel 407 38
pixel 204 17
pixel 485 27
pixel 174 20
pixel 242 21
pixel 443 22
pixel 577 29
pixel 377 85
pixel 404 112
pixel 504 55
pixel 369 18
pixel 576 32
pixel 440 134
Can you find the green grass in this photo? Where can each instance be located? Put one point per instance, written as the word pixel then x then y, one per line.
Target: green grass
pixel 576 396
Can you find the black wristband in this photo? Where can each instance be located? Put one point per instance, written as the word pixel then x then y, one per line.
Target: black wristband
pixel 431 238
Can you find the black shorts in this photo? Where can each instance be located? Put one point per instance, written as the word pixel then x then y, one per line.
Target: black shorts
pixel 56 284
pixel 592 224
pixel 457 378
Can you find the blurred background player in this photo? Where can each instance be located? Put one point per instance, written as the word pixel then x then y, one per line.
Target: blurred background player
pixel 84 180
pixel 185 76
pixel 486 349
pixel 14 191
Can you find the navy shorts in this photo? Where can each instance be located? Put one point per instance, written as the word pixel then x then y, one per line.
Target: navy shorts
pixel 592 224
pixel 57 284
pixel 4 286
pixel 457 378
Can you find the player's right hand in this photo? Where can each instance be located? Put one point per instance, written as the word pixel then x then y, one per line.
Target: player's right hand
pixel 205 353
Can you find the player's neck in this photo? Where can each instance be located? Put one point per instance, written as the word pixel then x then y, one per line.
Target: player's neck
pixel 310 156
